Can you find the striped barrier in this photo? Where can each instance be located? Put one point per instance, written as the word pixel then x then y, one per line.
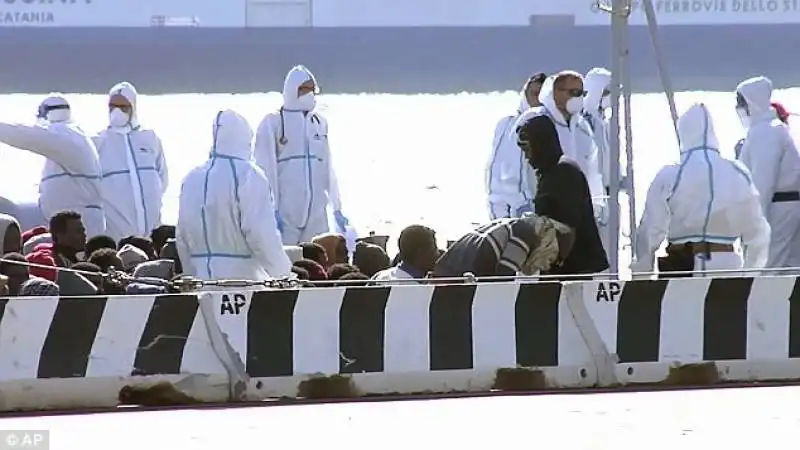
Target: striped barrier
pixel 229 346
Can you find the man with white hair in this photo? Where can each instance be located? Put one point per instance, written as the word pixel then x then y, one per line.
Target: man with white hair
pixel 134 170
pixel 71 176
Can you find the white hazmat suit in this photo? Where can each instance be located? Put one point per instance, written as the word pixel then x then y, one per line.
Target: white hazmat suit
pixel 772 157
pixel 704 198
pixel 595 105
pixel 577 143
pixel 225 228
pixel 134 171
pixel 292 148
pixel 510 180
pixel 71 175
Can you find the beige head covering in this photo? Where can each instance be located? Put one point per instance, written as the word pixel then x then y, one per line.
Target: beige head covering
pixel 131 256
pixel 552 235
pixel 5 222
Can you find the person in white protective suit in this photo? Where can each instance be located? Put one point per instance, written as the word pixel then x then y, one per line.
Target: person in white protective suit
pixel 772 157
pixel 510 180
pixel 562 98
pixel 134 170
pixel 71 175
pixel 292 148
pixel 595 105
pixel 701 206
pixel 226 229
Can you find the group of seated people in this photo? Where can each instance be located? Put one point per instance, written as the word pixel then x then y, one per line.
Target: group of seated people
pixel 33 261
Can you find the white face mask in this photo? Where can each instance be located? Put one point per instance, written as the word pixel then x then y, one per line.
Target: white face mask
pixel 58 115
pixel 575 105
pixel 118 118
pixel 307 102
pixel 605 102
pixel 743 117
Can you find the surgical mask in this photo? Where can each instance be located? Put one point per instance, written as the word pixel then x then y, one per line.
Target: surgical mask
pixel 307 102
pixel 605 102
pixel 118 118
pixel 744 118
pixel 575 105
pixel 58 115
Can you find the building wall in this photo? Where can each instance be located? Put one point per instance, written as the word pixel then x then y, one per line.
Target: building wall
pixel 378 13
pixel 393 59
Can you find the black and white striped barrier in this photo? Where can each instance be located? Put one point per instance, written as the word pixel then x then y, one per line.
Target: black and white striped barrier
pixel 79 352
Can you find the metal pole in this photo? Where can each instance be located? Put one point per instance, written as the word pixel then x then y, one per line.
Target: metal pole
pixel 625 76
pixel 666 82
pixel 619 22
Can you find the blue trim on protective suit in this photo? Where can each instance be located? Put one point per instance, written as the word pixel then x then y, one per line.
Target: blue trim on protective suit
pixel 138 177
pixel 304 157
pixel 70 175
pixel 203 216
pixel 685 157
pixel 126 171
pixel 238 200
pixel 307 156
pixel 310 178
pixel 214 156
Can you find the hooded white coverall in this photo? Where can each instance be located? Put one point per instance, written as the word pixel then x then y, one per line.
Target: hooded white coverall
pixel 225 228
pixel 577 143
pixel 510 180
pixel 704 198
pixel 134 173
pixel 292 148
pixel 594 106
pixel 772 157
pixel 71 174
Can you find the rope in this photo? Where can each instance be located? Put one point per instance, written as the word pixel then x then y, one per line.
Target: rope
pixel 191 284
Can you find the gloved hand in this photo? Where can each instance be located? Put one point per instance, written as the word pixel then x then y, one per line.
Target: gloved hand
pixel 279 222
pixel 341 221
pixel 526 208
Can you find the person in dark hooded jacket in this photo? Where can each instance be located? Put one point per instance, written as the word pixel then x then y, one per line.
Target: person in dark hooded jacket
pixel 562 193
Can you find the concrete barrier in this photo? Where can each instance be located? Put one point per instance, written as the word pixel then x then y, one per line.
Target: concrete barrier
pixel 357 341
pixel 81 352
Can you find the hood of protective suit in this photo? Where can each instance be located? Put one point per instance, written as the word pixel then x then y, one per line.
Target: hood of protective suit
pixel 695 130
pixel 548 101
pixel 55 108
pixel 523 102
pixel 128 91
pixel 297 76
pixel 232 136
pixel 597 80
pixel 757 92
pixel 538 138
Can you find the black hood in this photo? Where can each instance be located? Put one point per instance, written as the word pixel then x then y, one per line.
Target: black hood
pixel 538 139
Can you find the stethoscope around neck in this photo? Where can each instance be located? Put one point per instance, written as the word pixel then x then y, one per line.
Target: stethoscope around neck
pixel 283 140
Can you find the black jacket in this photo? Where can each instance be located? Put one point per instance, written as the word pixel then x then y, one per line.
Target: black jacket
pixel 562 193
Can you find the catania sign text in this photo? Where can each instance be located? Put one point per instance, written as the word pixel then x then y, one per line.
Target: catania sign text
pixel 39 16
